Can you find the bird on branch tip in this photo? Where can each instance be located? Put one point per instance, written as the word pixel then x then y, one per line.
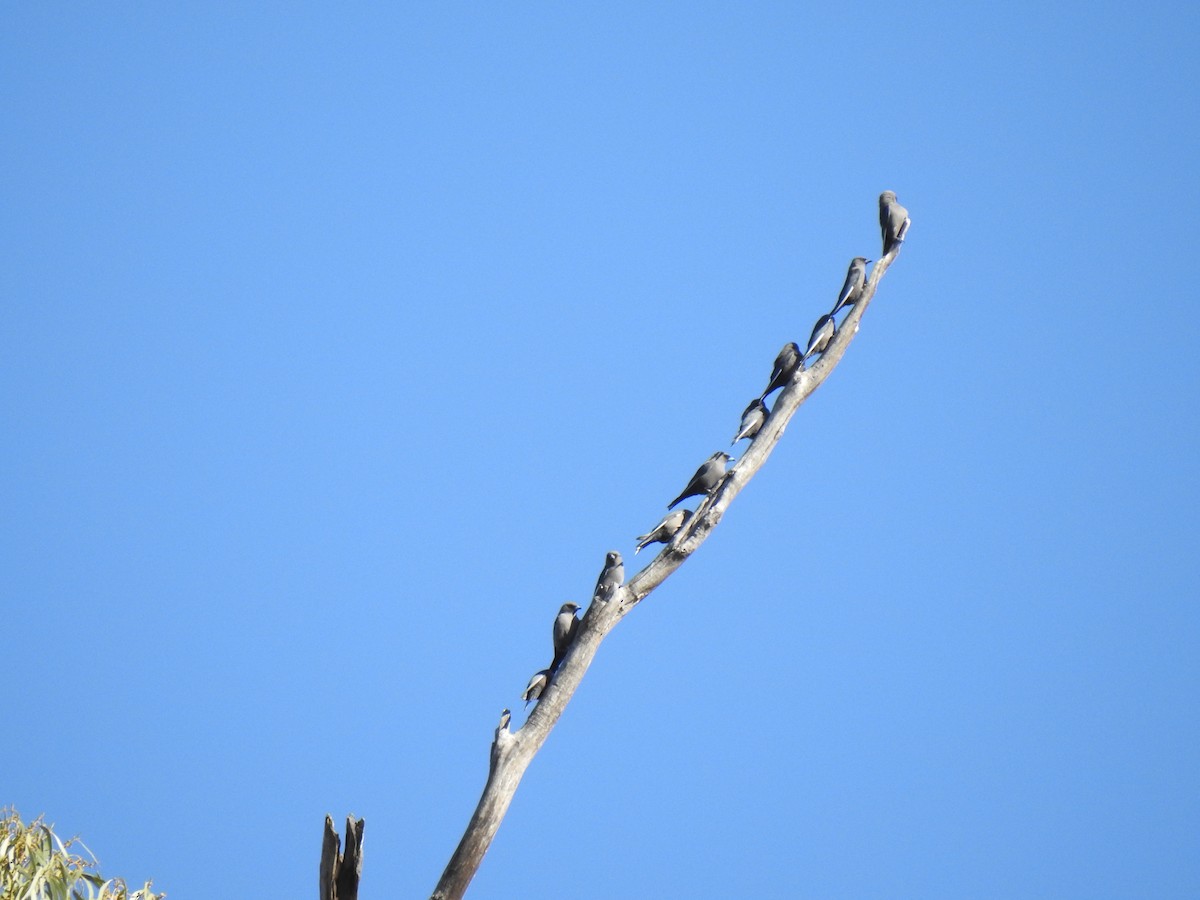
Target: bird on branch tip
pixel 893 221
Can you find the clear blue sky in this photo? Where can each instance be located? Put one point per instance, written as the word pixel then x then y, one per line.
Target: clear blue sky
pixel 341 343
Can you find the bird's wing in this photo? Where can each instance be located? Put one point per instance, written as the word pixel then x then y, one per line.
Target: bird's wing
pixel 847 290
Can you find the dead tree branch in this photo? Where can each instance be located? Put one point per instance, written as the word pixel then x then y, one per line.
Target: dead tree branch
pixel 340 871
pixel 512 752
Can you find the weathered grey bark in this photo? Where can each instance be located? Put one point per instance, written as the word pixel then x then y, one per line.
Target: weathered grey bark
pixel 512 752
pixel 340 871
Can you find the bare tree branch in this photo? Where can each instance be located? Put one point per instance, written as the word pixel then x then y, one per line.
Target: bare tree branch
pixel 512 752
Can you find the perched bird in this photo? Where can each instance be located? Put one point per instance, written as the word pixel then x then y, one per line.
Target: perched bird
pixel 822 334
pixel 893 221
pixel 856 277
pixel 753 417
pixel 707 477
pixel 786 364
pixel 612 576
pixel 537 684
pixel 565 624
pixel 664 530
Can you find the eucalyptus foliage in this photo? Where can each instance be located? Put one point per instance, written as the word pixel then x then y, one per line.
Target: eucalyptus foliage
pixel 35 864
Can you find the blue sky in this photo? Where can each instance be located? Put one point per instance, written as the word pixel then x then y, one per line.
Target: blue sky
pixel 341 343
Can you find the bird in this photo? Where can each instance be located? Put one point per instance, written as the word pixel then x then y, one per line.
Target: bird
pixel 707 477
pixel 753 417
pixel 537 684
pixel 785 367
pixel 856 276
pixel 664 530
pixel 893 221
pixel 611 576
pixel 822 334
pixel 565 625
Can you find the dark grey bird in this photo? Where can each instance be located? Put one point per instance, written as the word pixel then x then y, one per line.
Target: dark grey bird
pixel 612 576
pixel 893 221
pixel 565 625
pixel 707 477
pixel 785 367
pixel 753 417
pixel 664 530
pixel 505 718
pixel 537 684
pixel 856 277
pixel 822 334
